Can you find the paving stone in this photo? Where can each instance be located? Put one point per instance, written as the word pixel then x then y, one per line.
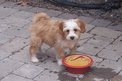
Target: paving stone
pixel 96 60
pixel 85 36
pixel 116 26
pixel 100 41
pixel 24 56
pixel 118 41
pixel 67 16
pixel 107 69
pixel 53 13
pixel 3 27
pixel 86 19
pixel 22 14
pixel 54 18
pixel 2 1
pixel 7 66
pixel 4 54
pixel 15 44
pixel 106 32
pixel 5 38
pixel 51 52
pixel 120 60
pixel 89 27
pixel 113 52
pixel 100 23
pixel 9 4
pixel 15 31
pixel 51 64
pixel 91 77
pixel 15 21
pixel 116 78
pixel 12 77
pixel 47 75
pixel 45 47
pixel 27 26
pixel 4 12
pixel 89 49
pixel 35 9
pixel 28 71
pixel 22 8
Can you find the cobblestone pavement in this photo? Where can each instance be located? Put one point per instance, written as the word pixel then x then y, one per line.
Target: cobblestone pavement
pixel 102 41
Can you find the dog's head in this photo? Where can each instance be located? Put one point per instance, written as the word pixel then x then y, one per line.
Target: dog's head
pixel 71 29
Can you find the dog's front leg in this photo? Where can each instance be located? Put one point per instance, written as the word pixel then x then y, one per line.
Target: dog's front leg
pixel 59 55
pixel 73 50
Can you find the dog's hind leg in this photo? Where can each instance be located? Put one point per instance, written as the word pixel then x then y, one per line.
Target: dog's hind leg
pixel 34 47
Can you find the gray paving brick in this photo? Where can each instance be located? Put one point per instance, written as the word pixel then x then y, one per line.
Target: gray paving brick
pixel 91 77
pixel 47 75
pixel 89 27
pixel 51 52
pixel 22 8
pixel 54 18
pixel 67 16
pixel 100 23
pixel 118 41
pixel 107 69
pixel 7 66
pixel 53 13
pixel 5 38
pixel 15 31
pixel 120 60
pixel 8 4
pixel 106 32
pixel 15 44
pixel 3 27
pixel 85 36
pixel 2 1
pixel 22 14
pixel 14 21
pixel 100 41
pixel 12 77
pixel 113 52
pixel 4 54
pixel 117 78
pixel 4 12
pixel 86 19
pixel 116 26
pixel 24 56
pixel 51 64
pixel 89 49
pixel 28 71
pixel 35 9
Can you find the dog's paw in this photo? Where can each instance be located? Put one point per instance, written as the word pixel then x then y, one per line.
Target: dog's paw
pixel 59 62
pixel 34 59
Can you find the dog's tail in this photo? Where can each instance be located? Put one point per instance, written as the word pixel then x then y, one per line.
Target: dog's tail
pixel 40 16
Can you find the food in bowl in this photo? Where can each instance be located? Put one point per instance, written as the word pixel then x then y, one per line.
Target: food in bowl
pixel 77 60
pixel 77 63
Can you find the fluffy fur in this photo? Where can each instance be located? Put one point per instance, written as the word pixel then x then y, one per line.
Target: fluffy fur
pixel 58 34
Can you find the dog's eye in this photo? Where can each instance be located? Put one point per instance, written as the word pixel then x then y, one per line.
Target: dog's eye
pixel 67 30
pixel 75 29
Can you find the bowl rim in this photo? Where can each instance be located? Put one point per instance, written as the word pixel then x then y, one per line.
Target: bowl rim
pixel 77 66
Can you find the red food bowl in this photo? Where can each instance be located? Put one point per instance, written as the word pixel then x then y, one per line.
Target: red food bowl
pixel 77 69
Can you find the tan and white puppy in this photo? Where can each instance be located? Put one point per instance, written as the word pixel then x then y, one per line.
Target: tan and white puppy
pixel 58 34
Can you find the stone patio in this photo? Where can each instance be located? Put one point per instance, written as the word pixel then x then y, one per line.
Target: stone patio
pixel 102 41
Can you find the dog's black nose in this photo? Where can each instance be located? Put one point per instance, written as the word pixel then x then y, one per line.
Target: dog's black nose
pixel 72 38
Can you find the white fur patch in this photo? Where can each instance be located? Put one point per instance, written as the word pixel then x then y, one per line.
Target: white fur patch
pixel 71 25
pixel 59 62
pixel 34 59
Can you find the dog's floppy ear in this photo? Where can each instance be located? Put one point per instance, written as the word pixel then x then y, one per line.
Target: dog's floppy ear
pixel 81 24
pixel 61 25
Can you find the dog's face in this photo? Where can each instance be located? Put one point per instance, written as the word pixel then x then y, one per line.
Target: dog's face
pixel 73 28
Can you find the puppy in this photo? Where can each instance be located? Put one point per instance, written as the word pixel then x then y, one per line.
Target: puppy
pixel 57 34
